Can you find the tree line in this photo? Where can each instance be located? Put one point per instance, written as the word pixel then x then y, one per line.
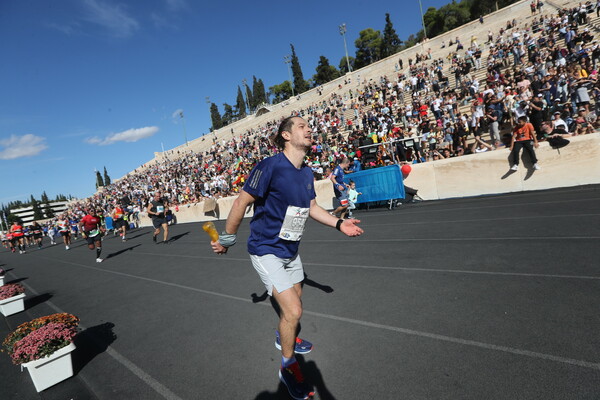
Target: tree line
pixel 371 46
pixel 41 208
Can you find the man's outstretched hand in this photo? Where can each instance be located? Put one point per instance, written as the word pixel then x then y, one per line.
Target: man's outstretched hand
pixel 350 227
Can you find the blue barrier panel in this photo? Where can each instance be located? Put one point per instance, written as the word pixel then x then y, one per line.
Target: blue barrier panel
pixel 109 223
pixel 378 184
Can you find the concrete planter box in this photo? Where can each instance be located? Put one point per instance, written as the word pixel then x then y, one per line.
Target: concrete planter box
pixel 52 369
pixel 12 305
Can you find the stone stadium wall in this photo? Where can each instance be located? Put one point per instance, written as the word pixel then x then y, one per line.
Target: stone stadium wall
pixel 479 174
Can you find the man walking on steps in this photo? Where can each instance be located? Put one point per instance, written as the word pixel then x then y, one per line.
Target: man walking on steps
pixel 281 189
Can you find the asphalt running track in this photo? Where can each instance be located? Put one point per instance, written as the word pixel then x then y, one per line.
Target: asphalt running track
pixel 480 298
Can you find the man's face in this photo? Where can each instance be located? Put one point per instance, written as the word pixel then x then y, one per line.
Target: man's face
pixel 300 135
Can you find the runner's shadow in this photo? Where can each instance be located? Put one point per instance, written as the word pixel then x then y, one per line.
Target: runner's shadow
pixel 310 282
pixel 111 255
pixel 31 302
pixel 258 299
pixel 137 236
pixel 90 343
pixel 177 237
pixel 312 375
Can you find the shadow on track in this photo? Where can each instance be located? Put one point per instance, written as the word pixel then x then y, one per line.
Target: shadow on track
pixel 309 282
pixel 90 343
pixel 111 255
pixel 16 280
pixel 31 302
pixel 313 376
pixel 177 237
pixel 137 236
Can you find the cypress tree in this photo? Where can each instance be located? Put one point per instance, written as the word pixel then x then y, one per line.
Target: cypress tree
pixel 325 72
pixel 37 213
pixel 228 116
pixel 249 99
pixel 258 92
pixel 215 117
pixel 391 42
pixel 106 178
pixel 261 89
pixel 99 181
pixel 300 85
pixel 240 105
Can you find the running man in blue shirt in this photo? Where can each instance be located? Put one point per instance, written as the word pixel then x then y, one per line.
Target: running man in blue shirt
pixel 340 189
pixel 281 188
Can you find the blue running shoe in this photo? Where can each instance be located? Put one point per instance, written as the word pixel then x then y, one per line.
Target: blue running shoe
pixel 302 346
pixel 292 378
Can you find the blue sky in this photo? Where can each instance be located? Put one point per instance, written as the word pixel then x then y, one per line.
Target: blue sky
pixel 92 83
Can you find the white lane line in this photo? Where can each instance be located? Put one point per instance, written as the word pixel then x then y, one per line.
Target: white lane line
pixel 434 336
pixel 430 210
pixel 481 220
pixel 134 369
pixel 466 342
pixel 436 270
pixel 361 240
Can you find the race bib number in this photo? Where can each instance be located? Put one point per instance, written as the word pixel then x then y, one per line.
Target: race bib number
pixel 160 209
pixel 293 224
pixel 93 233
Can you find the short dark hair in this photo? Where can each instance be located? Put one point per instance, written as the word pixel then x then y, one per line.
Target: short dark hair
pixel 285 126
pixel 522 118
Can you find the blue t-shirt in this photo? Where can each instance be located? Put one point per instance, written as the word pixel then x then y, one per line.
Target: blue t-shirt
pixel 280 189
pixel 339 174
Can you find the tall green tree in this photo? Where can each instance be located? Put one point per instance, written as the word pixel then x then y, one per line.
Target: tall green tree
pixel 300 85
pixel 107 180
pixel 228 115
pixel 258 92
pixel 368 47
pixel 240 104
pixel 99 181
pixel 37 212
pixel 281 92
pixel 260 87
pixel 249 99
pixel 215 116
pixel 390 43
pixel 48 213
pixel 325 72
pixel 343 66
pixel 45 204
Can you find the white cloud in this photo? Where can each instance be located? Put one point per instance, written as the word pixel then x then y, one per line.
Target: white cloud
pixel 130 135
pixel 22 146
pixel 111 17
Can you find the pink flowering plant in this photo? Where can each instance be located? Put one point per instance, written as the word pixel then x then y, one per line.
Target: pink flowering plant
pixel 42 342
pixel 10 290
pixel 40 337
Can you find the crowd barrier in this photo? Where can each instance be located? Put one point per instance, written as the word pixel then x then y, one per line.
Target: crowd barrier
pixel 472 175
pixel 378 184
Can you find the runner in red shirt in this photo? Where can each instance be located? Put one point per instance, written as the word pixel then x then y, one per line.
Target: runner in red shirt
pixel 18 236
pixel 92 231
